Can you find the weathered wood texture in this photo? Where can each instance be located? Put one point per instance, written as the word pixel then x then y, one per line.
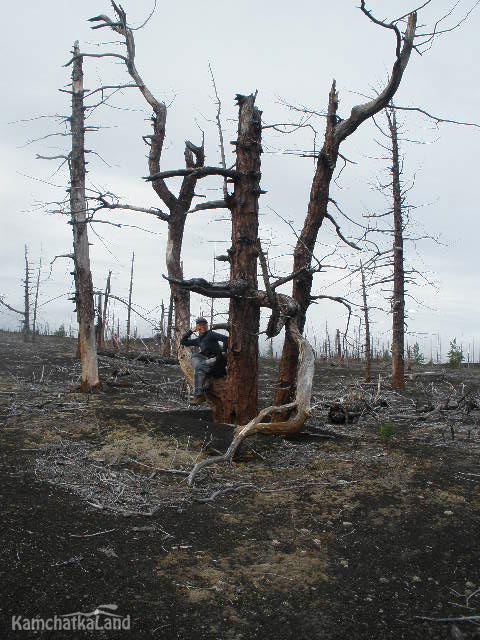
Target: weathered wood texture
pixel 278 420
pixel 398 299
pixel 336 132
pixel 78 207
pixel 240 400
pixel 368 352
pixel 302 257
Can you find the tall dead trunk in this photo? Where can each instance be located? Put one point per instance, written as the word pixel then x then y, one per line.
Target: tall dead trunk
pixel 336 132
pixel 368 353
pixel 129 309
pixel 26 282
pixel 241 397
pixel 338 345
pixel 35 305
pixel 99 327
pixel 212 300
pixel 167 349
pixel 302 257
pixel 78 206
pixel 105 310
pixel 398 298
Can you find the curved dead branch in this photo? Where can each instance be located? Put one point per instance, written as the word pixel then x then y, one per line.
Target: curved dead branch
pixel 279 420
pixel 362 112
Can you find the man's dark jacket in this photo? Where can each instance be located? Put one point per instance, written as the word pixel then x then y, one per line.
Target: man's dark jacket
pixel 208 343
pixel 209 347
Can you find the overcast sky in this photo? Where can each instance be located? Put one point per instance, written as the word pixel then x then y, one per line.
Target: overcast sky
pixel 287 53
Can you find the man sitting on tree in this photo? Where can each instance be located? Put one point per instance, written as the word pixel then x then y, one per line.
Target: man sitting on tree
pixel 211 358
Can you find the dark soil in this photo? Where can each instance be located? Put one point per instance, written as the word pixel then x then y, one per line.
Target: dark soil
pixel 339 533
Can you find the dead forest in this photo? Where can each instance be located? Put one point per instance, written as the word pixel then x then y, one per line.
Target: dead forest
pixel 225 461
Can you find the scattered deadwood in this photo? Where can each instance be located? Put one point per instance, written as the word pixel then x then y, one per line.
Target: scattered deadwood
pixel 279 420
pixel 137 357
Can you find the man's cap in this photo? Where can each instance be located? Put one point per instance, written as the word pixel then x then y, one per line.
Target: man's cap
pixel 201 321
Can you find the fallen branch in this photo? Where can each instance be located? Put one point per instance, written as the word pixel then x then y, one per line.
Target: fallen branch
pixel 285 419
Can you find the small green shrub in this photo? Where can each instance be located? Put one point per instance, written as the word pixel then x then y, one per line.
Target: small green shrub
pixel 455 355
pixel 417 356
pixel 386 431
pixel 60 332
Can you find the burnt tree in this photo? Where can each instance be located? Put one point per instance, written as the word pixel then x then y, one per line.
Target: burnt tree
pixel 337 130
pixel 366 318
pixel 26 300
pixel 398 296
pixel 178 206
pixel 240 399
pixel 84 300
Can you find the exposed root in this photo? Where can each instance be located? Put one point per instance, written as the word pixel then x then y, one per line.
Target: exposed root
pixel 297 411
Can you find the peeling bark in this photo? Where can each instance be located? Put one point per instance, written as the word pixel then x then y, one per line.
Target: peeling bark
pixel 240 400
pixel 302 257
pixel 398 299
pixel 336 132
pixel 83 278
pixel 368 356
pixel 278 420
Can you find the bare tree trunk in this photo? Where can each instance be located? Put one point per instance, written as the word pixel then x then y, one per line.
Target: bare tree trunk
pixel 162 326
pixel 129 308
pixel 368 353
pixel 302 257
pixel 99 327
pixel 339 348
pixel 26 315
pixel 398 299
pixel 35 306
pixel 105 310
pixel 240 400
pixel 83 277
pixel 212 300
pixel 336 132
pixel 167 349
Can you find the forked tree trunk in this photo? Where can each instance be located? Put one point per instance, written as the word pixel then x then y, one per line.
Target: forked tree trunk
pixel 302 257
pixel 241 396
pixel 368 354
pixel 398 299
pixel 336 132
pixel 83 277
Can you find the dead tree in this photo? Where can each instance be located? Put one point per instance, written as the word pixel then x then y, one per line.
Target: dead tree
pixel 240 400
pixel 338 346
pixel 105 310
pixel 99 326
pixel 35 303
pixel 368 353
pixel 26 283
pixel 337 130
pixel 25 313
pixel 178 206
pixel 167 349
pixel 398 297
pixel 84 301
pixel 129 309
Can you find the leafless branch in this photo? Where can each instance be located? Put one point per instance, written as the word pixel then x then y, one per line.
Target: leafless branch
pixel 339 232
pixel 200 172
